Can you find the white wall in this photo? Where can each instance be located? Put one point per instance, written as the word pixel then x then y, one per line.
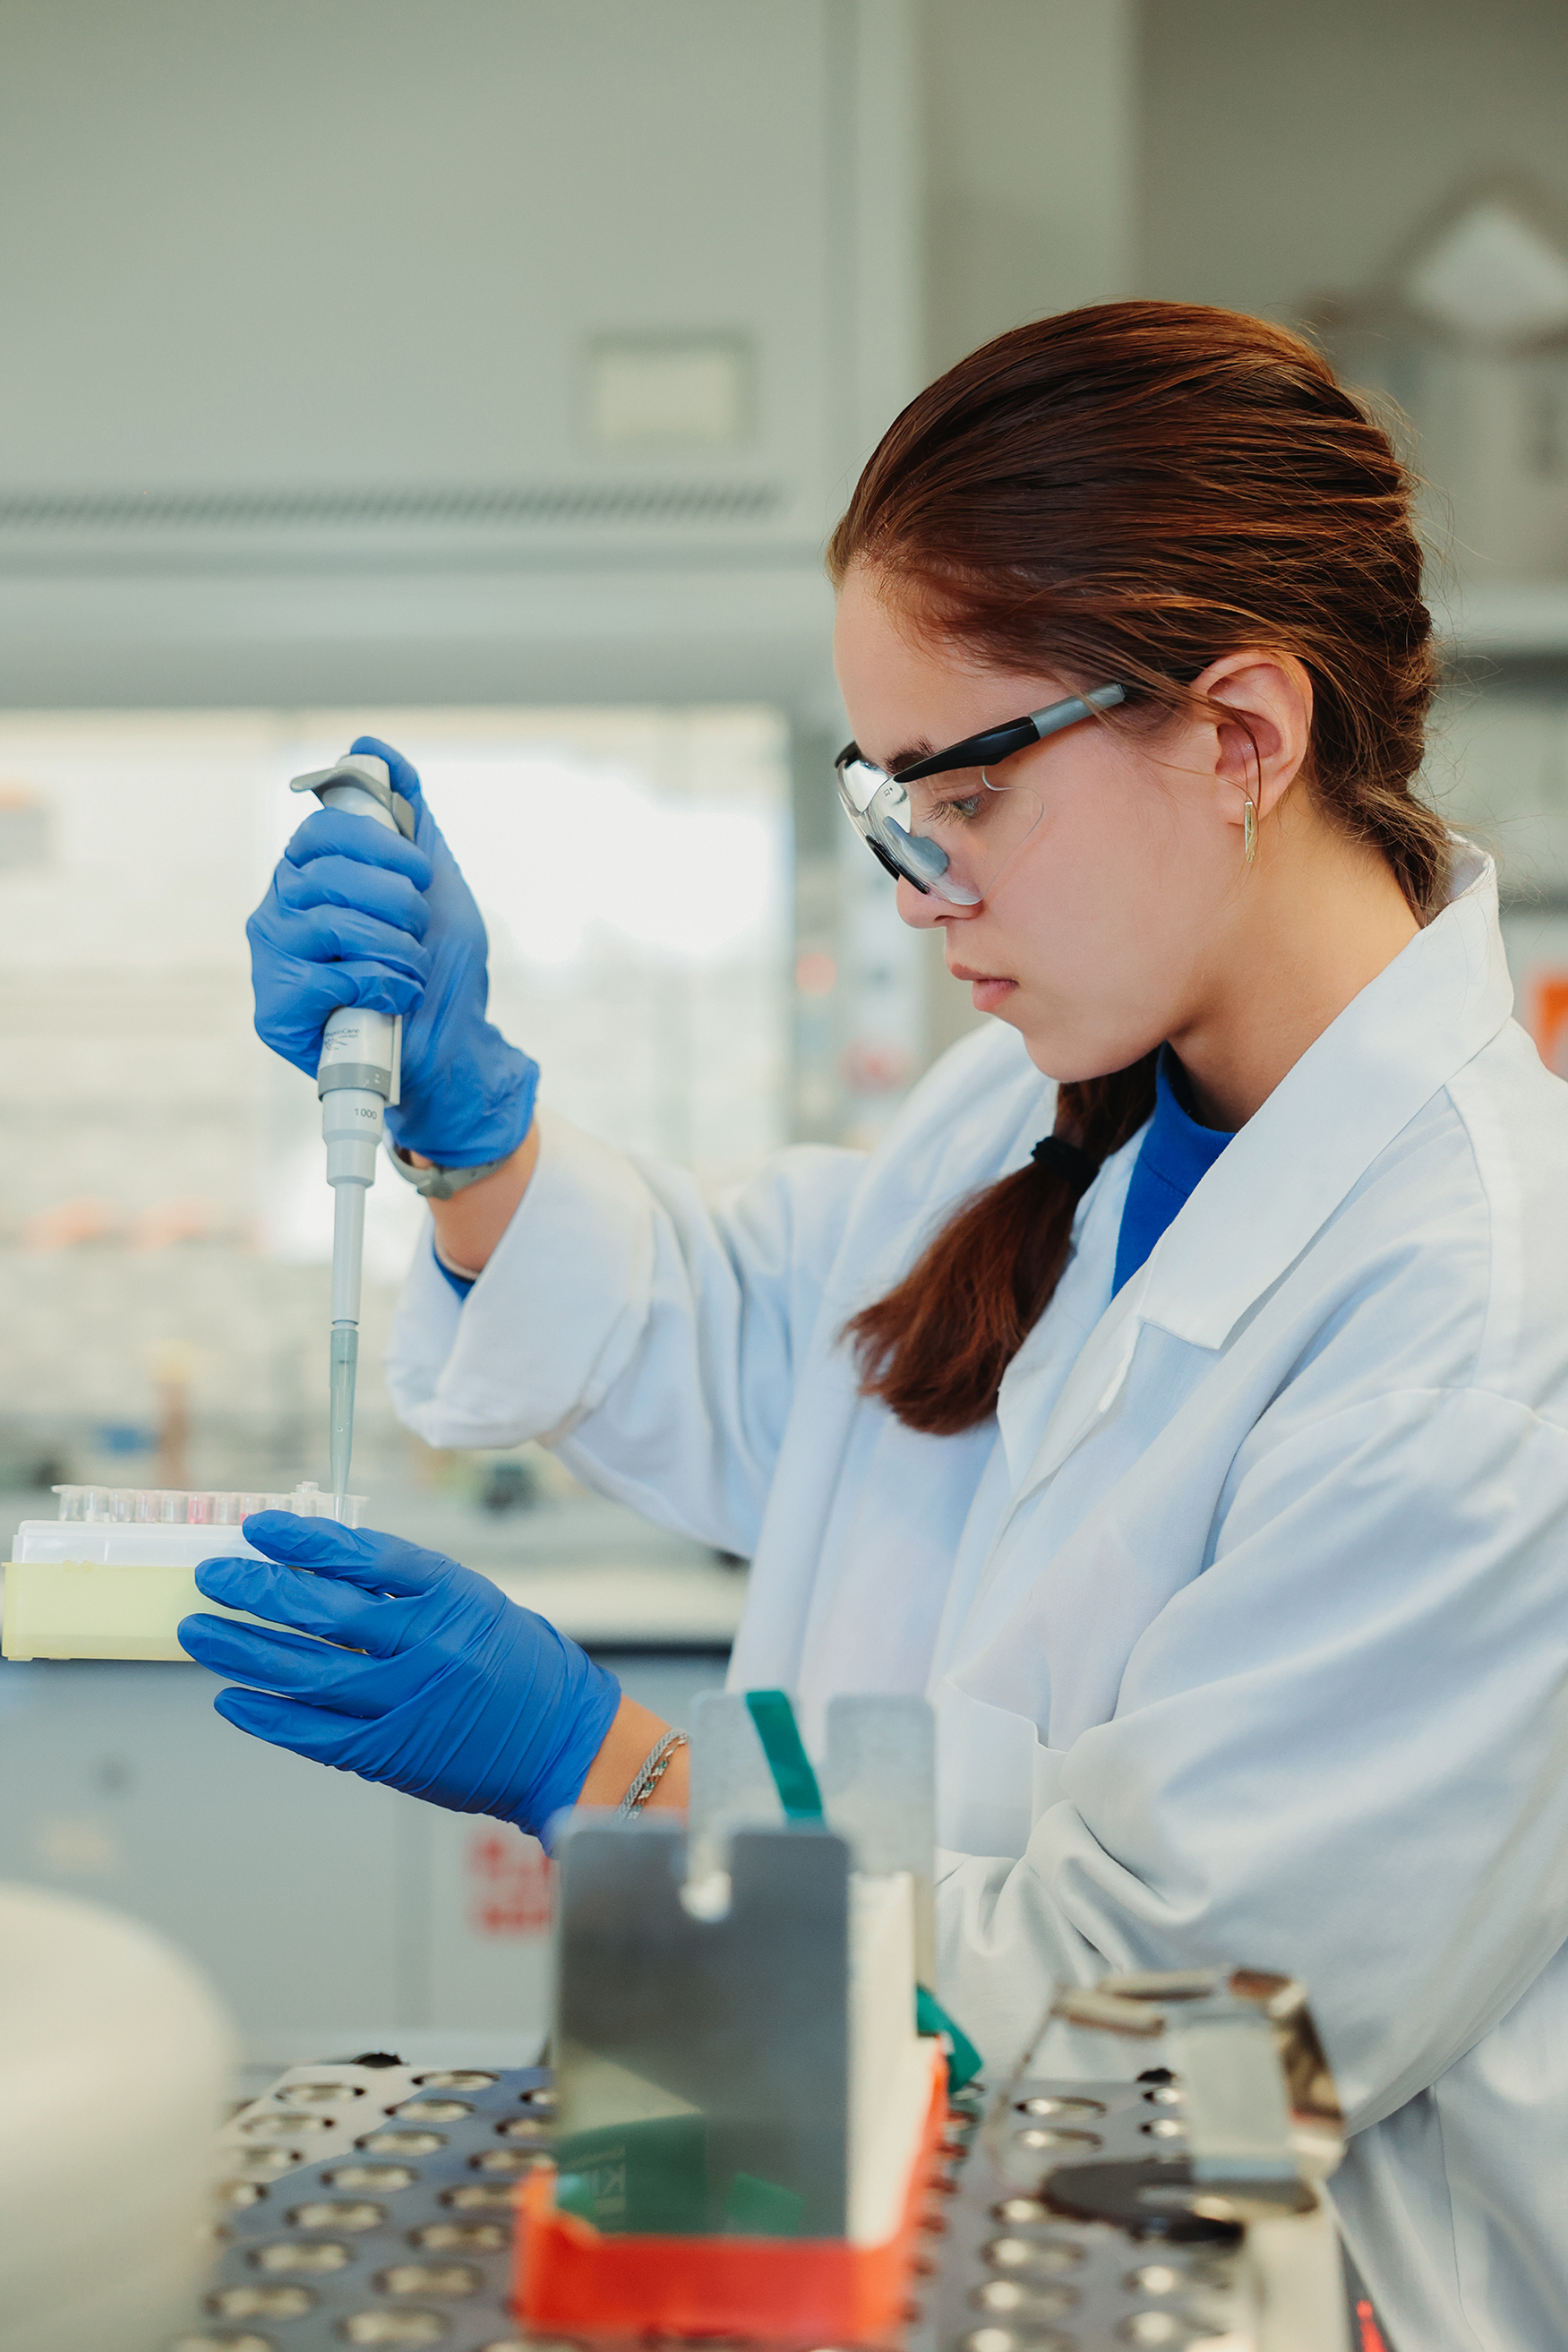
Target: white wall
pixel 1031 206
pixel 1213 151
pixel 293 265
pixel 277 247
pixel 1031 129
pixel 1286 150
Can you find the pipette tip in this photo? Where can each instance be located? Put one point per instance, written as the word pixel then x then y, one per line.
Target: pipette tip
pixel 344 1365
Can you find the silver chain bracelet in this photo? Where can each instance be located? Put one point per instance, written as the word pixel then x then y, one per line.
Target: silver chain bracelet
pixel 650 1772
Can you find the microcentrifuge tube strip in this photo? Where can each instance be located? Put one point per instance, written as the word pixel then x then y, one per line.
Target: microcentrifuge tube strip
pixel 181 1508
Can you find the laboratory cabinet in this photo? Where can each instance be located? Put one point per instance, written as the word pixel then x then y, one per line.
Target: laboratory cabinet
pixel 323 1909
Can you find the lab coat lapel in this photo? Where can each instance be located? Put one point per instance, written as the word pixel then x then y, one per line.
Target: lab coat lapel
pixel 1089 1394
pixel 1035 1384
pixel 1395 1047
pixel 1093 1385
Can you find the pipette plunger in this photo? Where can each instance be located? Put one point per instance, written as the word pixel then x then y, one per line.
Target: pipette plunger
pixel 357 1080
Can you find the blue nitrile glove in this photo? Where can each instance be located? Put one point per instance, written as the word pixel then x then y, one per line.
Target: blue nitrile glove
pixel 460 1696
pixel 357 915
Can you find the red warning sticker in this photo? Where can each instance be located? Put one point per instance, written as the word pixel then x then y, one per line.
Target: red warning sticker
pixel 511 1884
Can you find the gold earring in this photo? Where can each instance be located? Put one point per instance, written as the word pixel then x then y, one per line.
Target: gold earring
pixel 1249 832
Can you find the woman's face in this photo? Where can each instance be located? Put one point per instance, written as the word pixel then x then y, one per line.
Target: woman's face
pixel 1099 936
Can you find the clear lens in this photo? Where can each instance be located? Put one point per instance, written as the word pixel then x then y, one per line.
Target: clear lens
pixel 952 834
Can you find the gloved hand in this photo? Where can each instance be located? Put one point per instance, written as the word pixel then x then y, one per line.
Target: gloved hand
pixel 460 1696
pixel 357 915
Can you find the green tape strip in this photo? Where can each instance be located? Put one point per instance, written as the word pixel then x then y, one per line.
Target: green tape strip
pixel 802 1799
pixel 788 1761
pixel 964 2061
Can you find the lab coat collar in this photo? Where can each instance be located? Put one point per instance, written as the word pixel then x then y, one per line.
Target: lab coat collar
pixel 1397 1043
pixel 1434 1007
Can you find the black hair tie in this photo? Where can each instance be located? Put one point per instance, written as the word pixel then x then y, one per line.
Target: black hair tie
pixel 1054 1153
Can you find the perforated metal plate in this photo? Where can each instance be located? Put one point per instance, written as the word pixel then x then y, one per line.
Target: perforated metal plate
pixel 401 2235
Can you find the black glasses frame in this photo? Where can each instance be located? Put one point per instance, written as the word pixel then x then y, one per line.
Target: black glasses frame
pixel 996 743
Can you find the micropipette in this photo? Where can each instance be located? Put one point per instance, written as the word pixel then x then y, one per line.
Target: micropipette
pixel 356 1080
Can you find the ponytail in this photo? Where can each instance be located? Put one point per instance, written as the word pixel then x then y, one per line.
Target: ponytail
pixel 934 1349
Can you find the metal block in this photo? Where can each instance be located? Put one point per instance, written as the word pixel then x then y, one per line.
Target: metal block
pixel 878 1780
pixel 1172 2204
pixel 730 1781
pixel 1245 2042
pixel 679 2107
pixel 1238 2124
pixel 879 1790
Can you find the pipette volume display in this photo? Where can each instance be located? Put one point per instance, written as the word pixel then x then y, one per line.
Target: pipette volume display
pixel 356 1078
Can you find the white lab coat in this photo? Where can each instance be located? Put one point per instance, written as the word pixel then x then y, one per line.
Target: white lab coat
pixel 1244 1620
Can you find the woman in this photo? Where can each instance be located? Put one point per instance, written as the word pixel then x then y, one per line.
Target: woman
pixel 1208 1465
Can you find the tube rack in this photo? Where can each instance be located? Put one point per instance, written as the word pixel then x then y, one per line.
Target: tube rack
pixel 173 1507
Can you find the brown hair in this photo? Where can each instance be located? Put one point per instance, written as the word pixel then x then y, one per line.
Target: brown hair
pixel 1129 493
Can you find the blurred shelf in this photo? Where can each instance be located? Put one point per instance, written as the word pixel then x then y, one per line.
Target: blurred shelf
pixel 690 1607
pixel 1503 620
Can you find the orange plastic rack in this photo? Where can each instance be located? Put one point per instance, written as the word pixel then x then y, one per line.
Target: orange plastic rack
pixel 568 2274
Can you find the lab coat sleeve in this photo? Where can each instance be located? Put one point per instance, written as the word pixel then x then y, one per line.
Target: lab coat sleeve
pixel 1339 1752
pixel 650 1336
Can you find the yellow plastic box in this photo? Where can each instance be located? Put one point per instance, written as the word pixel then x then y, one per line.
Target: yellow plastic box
pixel 97 1586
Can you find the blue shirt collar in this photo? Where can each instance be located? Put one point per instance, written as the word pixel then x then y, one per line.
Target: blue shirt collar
pixel 1177 1147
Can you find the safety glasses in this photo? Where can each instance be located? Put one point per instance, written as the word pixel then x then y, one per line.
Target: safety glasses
pixel 953 841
